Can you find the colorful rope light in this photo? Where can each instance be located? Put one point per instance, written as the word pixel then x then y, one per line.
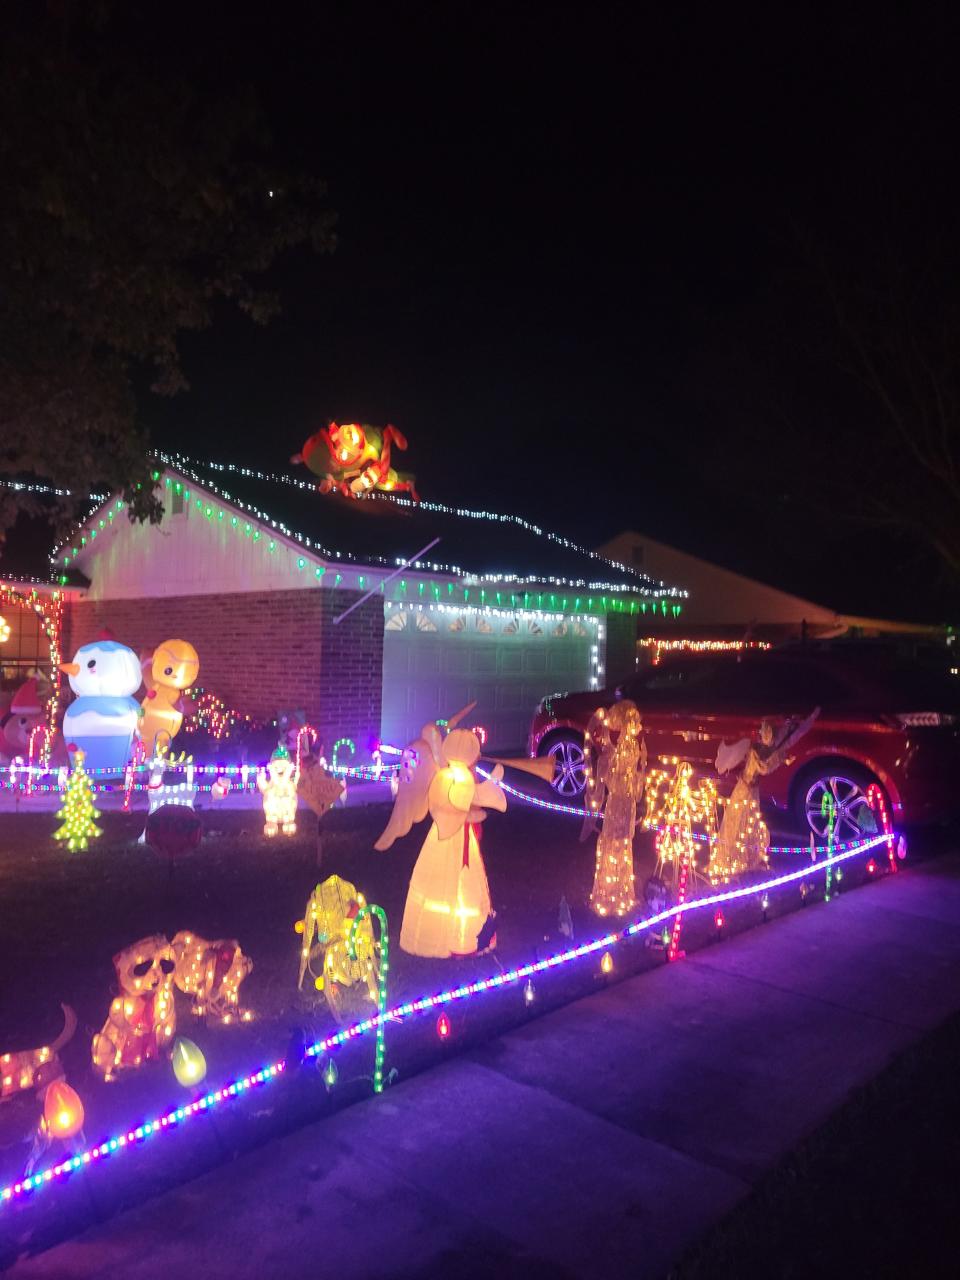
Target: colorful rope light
pixel 877 802
pixel 369 910
pixel 178 1115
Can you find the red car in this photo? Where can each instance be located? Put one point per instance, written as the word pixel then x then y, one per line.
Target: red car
pixel 883 719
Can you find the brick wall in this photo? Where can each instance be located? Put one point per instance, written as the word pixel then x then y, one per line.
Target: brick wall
pixel 262 652
pixel 621 659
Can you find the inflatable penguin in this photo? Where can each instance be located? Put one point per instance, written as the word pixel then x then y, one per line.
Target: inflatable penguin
pixel 104 675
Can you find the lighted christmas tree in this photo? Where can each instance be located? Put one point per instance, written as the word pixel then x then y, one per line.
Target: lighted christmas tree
pixel 78 813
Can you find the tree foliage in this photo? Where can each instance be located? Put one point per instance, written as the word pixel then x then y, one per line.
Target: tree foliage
pixel 134 201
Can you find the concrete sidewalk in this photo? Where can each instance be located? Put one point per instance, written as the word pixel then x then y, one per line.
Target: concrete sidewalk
pixel 599 1140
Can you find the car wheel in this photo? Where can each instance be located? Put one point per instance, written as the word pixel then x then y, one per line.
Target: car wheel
pixel 846 787
pixel 569 774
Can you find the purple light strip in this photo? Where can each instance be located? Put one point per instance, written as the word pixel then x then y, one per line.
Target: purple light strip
pixel 177 1115
pixel 608 940
pixel 365 772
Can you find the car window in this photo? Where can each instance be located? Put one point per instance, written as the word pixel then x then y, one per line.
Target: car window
pixel 775 684
pixel 675 684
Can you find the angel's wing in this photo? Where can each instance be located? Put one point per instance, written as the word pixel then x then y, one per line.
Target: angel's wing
pixel 410 806
pixel 792 733
pixel 595 795
pixel 730 755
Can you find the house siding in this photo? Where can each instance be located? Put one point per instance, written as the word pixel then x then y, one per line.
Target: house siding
pixel 262 652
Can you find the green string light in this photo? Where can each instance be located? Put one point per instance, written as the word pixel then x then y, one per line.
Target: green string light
pixel 828 810
pixel 371 909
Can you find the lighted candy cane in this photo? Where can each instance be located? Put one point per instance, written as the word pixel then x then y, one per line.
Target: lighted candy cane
pixel 137 758
pixel 877 800
pixel 305 731
pixel 39 758
pixel 341 742
pixel 371 909
pixel 828 810
pixel 673 951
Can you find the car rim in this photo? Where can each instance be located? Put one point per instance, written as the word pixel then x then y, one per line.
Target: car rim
pixel 569 777
pixel 853 816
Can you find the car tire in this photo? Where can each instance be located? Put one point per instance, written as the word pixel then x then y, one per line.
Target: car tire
pixel 846 783
pixel 569 777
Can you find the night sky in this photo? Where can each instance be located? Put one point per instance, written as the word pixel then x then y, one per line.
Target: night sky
pixel 555 224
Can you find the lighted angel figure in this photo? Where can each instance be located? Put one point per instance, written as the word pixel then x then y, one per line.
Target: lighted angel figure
pixel 743 839
pixel 448 910
pixel 616 758
pixel 676 804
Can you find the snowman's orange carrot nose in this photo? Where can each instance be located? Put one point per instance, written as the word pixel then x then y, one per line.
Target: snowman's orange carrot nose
pixel 70 668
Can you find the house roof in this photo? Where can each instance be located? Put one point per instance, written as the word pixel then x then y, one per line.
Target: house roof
pixel 386 529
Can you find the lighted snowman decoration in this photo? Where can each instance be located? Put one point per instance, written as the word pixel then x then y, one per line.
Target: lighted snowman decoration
pixel 104 716
pixel 278 786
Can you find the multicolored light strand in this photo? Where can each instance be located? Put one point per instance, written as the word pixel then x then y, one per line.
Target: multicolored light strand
pixel 877 802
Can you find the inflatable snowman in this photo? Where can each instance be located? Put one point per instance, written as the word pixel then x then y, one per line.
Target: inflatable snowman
pixel 104 716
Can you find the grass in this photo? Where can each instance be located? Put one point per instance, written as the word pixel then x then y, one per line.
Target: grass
pixel 873 1192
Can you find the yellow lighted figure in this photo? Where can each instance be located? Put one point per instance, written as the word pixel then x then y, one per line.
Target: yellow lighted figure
pixel 616 762
pixel 674 807
pixel 743 839
pixel 142 1019
pixel 171 670
pixel 210 973
pixel 448 910
pixel 324 952
pixel 278 786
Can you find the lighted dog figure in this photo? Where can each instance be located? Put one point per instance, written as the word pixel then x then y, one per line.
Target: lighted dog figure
pixel 168 672
pixel 142 1019
pixel 278 786
pixel 326 924
pixel 210 973
pixel 29 1069
pixel 354 459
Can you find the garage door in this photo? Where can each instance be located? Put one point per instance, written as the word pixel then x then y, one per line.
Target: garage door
pixel 434 662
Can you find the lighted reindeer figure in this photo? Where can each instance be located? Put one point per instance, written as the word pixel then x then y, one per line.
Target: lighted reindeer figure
pixel 677 807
